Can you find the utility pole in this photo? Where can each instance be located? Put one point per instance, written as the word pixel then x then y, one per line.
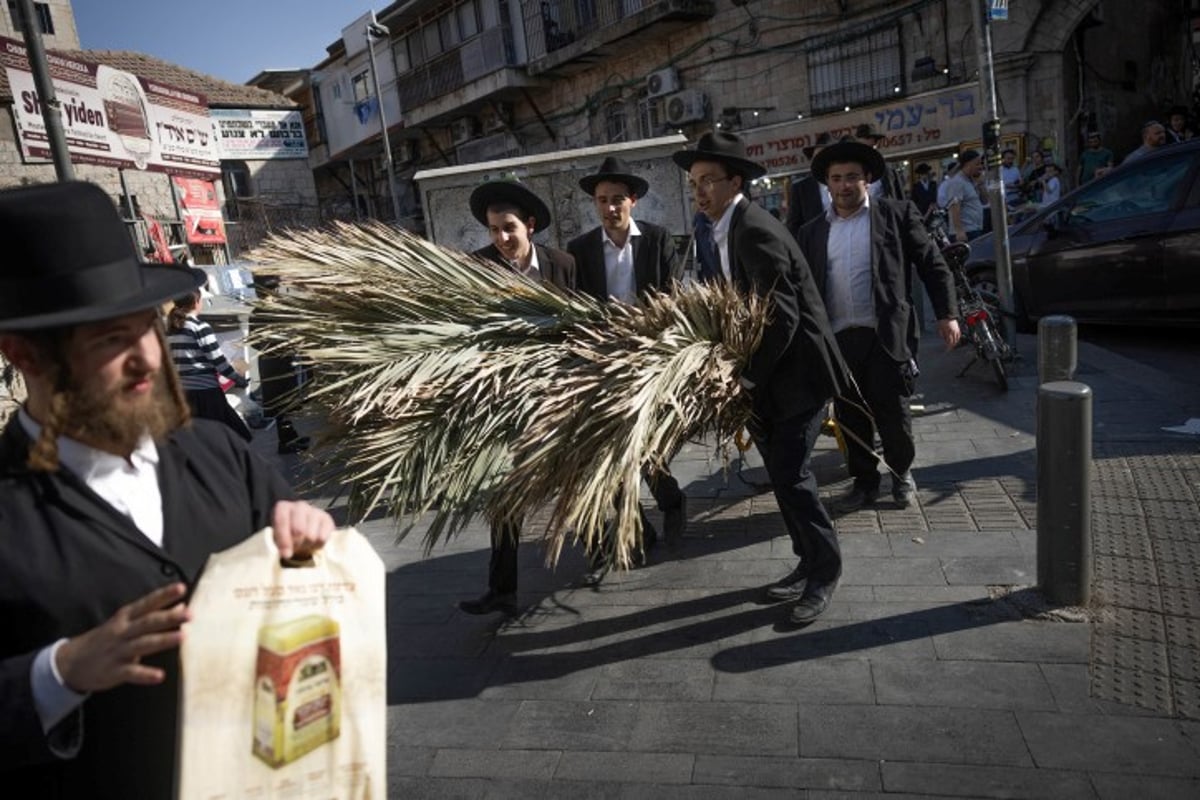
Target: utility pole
pixel 375 30
pixel 991 146
pixel 51 111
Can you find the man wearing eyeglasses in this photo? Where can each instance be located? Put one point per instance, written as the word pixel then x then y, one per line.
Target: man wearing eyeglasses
pixel 862 253
pixel 794 371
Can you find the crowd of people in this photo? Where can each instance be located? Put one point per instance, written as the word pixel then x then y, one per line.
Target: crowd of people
pixel 116 488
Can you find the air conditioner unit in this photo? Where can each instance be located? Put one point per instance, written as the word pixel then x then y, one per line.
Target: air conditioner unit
pixel 463 129
pixel 499 117
pixel 664 81
pixel 690 105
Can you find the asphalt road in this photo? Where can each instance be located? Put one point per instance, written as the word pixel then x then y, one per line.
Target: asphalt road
pixel 1175 351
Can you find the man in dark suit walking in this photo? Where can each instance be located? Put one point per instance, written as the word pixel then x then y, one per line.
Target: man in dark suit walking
pixel 623 259
pixel 512 213
pixel 862 254
pixel 924 191
pixel 796 368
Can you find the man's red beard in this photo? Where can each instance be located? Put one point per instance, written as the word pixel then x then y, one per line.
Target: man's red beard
pixel 100 419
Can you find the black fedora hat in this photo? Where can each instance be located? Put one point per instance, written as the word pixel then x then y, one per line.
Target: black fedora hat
pixel 823 140
pixel 922 168
pixel 724 148
pixel 852 151
pixel 69 259
pixel 509 190
pixel 615 169
pixel 868 130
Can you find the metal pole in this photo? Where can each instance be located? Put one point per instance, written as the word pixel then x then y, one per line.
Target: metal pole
pixel 995 185
pixel 1057 349
pixel 1064 522
pixel 51 113
pixel 354 192
pixel 375 29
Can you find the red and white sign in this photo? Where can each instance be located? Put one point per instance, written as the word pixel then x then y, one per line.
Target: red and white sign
pixel 201 210
pixel 112 118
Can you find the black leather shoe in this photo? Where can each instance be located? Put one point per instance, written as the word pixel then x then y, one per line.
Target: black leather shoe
pixel 789 587
pixel 489 602
pixel 858 496
pixel 904 490
pixel 674 521
pixel 813 603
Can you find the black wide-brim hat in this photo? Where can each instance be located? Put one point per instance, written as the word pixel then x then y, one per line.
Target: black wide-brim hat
pixel 724 148
pixel 823 140
pixel 849 151
pixel 510 191
pixel 616 170
pixel 69 260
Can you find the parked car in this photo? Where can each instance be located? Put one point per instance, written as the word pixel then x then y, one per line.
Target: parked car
pixel 1123 248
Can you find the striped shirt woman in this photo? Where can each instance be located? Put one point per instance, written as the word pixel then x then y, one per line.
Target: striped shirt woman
pixel 198 360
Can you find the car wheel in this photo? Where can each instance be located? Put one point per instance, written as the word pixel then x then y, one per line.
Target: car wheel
pixel 985 283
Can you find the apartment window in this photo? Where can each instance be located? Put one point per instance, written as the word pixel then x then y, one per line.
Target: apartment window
pixel 235 175
pixel 615 125
pixel 40 10
pixel 468 19
pixel 361 84
pixel 852 73
pixel 432 40
pixel 448 28
pixel 400 56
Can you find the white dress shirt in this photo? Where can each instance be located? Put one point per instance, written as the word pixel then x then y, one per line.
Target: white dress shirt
pixel 533 271
pixel 849 285
pixel 131 487
pixel 720 233
pixel 618 265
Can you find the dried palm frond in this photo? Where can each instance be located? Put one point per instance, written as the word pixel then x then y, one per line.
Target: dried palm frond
pixel 453 387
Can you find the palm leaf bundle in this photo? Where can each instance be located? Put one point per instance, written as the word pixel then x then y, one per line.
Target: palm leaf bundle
pixel 453 388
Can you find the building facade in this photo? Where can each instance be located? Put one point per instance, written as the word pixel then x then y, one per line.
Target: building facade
pixel 480 80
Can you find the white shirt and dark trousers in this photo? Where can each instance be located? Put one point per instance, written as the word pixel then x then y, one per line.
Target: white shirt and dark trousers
pixel 647 260
pixel 863 265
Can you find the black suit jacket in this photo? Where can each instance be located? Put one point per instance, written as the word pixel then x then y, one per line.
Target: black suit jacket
pixel 924 197
pixel 655 261
pixel 898 244
pixel 797 366
pixel 68 561
pixel 555 266
pixel 804 204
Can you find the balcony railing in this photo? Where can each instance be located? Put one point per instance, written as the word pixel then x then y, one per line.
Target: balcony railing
pixel 561 30
pixel 475 58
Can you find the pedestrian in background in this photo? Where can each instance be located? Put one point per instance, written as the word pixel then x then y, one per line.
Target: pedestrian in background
pixel 199 361
pixel 962 198
pixel 1095 160
pixel 1154 136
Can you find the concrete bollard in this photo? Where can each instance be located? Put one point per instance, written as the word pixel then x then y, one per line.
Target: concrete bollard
pixel 1064 503
pixel 1057 349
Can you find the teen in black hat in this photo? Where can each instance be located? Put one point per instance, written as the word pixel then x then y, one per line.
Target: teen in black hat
pixel 624 259
pixel 110 504
pixel 513 213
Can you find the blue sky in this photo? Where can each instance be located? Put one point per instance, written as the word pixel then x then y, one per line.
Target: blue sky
pixel 228 39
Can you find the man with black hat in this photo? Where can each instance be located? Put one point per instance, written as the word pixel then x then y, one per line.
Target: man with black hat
pixel 796 368
pixel 925 190
pixel 862 255
pixel 623 259
pixel 513 213
pixel 808 198
pixel 110 503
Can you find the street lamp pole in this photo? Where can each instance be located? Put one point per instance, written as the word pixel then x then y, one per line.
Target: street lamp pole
pixel 374 31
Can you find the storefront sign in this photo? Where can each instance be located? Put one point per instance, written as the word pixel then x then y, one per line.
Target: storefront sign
pixel 249 134
pixel 112 118
pixel 200 209
pixel 921 122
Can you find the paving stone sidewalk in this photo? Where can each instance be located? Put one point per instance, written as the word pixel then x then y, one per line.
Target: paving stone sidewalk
pixel 933 674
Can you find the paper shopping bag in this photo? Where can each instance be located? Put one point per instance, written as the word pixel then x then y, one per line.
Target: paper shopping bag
pixel 284 691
